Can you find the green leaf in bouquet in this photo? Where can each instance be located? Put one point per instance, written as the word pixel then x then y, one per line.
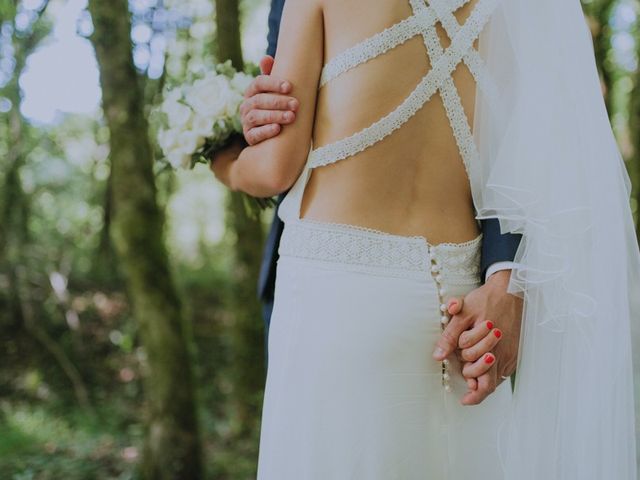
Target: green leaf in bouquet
pixel 226 69
pixel 252 69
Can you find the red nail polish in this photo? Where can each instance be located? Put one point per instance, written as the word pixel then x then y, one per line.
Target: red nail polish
pixel 490 325
pixel 488 359
pixel 497 333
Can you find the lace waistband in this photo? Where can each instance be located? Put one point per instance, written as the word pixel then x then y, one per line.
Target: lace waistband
pixel 366 249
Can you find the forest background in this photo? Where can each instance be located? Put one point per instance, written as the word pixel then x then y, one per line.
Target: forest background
pixel 131 339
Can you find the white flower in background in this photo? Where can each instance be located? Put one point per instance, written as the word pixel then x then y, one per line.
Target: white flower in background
pixel 179 115
pixel 167 139
pixel 189 141
pixel 233 104
pixel 178 159
pixel 208 96
pixel 241 82
pixel 174 96
pixel 203 126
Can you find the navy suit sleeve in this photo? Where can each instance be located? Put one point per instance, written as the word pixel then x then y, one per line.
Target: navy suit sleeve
pixel 267 278
pixel 274 25
pixel 497 247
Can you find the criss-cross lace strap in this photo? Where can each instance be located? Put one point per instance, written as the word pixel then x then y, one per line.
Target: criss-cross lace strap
pixel 444 63
pixel 382 42
pixel 472 59
pixel 450 98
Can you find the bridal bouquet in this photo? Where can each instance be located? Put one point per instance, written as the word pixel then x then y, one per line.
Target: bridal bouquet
pixel 202 117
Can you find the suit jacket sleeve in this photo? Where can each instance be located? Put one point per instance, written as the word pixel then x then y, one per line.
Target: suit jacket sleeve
pixel 497 247
pixel 274 25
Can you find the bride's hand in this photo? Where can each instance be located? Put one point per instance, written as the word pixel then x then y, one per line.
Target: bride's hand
pixel 267 105
pixel 476 346
pixel 491 301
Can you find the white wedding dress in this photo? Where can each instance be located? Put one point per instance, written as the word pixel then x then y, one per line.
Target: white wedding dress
pixel 352 390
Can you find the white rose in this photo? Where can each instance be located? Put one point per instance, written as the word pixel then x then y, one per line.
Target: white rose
pixel 189 142
pixel 233 104
pixel 179 114
pixel 179 159
pixel 208 96
pixel 202 125
pixel 174 96
pixel 167 139
pixel 241 82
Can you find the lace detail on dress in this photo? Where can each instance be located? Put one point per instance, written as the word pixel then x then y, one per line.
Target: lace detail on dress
pixel 458 263
pixel 448 92
pixel 433 81
pixel 382 42
pixel 370 251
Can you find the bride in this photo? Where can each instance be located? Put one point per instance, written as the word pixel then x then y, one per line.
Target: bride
pixel 416 120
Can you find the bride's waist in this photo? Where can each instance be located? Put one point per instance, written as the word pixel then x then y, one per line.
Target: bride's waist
pixel 351 247
pixel 439 222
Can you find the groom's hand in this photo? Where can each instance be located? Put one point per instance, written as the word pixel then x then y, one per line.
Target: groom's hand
pixel 489 302
pixel 267 105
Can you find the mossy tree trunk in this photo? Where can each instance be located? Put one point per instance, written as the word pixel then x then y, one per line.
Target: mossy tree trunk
pixel 600 12
pixel 172 447
pixel 248 331
pixel 228 38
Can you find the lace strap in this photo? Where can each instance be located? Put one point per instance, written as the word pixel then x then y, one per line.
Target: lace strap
pixel 448 91
pixel 382 42
pixel 472 59
pixel 442 70
pixel 372 47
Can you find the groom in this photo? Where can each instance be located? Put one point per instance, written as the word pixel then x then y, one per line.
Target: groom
pixel 267 107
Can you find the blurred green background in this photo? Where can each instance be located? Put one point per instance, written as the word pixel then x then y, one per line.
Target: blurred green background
pixel 131 341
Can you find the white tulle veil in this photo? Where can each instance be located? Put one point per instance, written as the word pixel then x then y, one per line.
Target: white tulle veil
pixel 550 169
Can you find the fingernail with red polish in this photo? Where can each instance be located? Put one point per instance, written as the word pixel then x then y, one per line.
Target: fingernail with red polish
pixel 490 325
pixel 497 333
pixel 489 359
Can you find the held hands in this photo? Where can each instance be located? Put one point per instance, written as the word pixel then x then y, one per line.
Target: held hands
pixel 267 105
pixel 488 354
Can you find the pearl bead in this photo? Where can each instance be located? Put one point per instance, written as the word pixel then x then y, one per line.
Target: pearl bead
pixel 443 292
pixel 443 307
pixel 446 376
pixel 447 388
pixel 446 362
pixel 435 269
pixel 444 320
pixel 439 278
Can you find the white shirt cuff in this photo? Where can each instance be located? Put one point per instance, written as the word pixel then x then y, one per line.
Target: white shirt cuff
pixel 498 267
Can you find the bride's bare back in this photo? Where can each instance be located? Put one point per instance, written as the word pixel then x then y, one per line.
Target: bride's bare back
pixel 409 176
pixel 413 182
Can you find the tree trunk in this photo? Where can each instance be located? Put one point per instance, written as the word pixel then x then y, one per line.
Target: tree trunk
pixel 600 13
pixel 228 32
pixel 172 449
pixel 248 331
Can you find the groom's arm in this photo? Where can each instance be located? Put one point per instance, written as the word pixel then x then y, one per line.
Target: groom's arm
pixel 498 249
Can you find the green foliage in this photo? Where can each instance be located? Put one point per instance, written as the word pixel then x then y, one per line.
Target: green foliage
pixel 62 296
